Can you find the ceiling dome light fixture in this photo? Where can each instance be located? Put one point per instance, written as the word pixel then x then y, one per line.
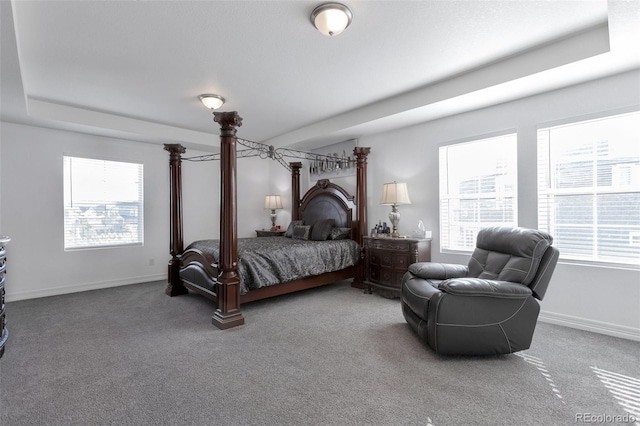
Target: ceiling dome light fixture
pixel 331 18
pixel 211 101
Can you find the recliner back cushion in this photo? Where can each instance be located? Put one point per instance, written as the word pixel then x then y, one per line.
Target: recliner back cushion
pixel 508 254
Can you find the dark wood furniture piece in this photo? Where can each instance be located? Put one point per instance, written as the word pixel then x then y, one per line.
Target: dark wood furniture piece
pixel 4 332
pixel 387 260
pixel 268 233
pixel 227 295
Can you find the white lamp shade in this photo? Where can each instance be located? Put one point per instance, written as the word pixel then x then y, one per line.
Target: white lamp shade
pixel 331 18
pixel 211 101
pixel 272 202
pixel 395 193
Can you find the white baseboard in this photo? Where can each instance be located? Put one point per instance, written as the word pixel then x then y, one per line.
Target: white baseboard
pixel 606 328
pixel 14 297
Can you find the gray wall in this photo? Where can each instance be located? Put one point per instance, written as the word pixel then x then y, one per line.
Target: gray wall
pixel 595 298
pixel 32 211
pixel 589 297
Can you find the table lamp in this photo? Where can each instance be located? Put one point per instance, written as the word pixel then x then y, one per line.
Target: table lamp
pixel 273 202
pixel 393 194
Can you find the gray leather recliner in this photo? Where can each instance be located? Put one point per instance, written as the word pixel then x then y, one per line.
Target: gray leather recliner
pixel 488 306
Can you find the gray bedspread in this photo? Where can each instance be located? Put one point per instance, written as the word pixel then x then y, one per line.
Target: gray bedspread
pixel 271 260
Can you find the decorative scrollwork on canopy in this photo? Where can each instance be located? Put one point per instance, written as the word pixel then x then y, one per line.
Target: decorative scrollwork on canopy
pixel 264 151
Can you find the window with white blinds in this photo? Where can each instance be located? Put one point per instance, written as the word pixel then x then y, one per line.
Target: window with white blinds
pixel 478 188
pixel 103 203
pixel 589 188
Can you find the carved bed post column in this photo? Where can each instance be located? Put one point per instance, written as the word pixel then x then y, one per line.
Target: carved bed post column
pixel 228 313
pixel 361 154
pixel 175 287
pixel 295 190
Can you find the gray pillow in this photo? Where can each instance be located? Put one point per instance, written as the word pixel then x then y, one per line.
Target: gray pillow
pixel 293 224
pixel 301 232
pixel 340 233
pixel 321 229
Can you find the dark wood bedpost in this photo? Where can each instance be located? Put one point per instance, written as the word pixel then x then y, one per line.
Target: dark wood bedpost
pixel 361 191
pixel 228 313
pixel 361 154
pixel 295 190
pixel 175 287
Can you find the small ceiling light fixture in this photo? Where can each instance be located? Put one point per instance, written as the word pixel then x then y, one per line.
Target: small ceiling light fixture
pixel 211 101
pixel 331 18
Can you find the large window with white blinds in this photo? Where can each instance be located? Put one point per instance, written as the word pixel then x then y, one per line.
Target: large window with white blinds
pixel 478 188
pixel 103 203
pixel 589 188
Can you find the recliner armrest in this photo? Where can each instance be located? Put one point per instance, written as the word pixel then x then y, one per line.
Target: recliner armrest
pixel 438 271
pixel 486 288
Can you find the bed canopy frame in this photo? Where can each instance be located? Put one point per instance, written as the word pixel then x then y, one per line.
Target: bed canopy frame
pixel 228 298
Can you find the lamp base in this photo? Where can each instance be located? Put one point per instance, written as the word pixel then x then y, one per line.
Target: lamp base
pixel 273 220
pixel 394 217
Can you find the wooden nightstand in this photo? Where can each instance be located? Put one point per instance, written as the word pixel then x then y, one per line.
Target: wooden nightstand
pixel 4 332
pixel 267 233
pixel 387 260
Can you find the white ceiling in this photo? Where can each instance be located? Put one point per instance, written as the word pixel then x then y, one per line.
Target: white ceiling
pixel 134 69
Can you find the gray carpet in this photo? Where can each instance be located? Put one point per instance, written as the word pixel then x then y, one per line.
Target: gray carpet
pixel 329 356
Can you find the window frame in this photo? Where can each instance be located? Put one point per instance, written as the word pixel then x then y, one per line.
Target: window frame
pixel 444 181
pixel 139 241
pixel 575 260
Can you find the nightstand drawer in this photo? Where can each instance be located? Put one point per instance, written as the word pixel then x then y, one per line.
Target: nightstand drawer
pixel 4 333
pixel 374 273
pixel 381 275
pixel 381 258
pixel 391 244
pixel 401 261
pixel 387 260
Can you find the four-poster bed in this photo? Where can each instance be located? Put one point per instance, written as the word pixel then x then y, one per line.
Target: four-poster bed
pixel 217 277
